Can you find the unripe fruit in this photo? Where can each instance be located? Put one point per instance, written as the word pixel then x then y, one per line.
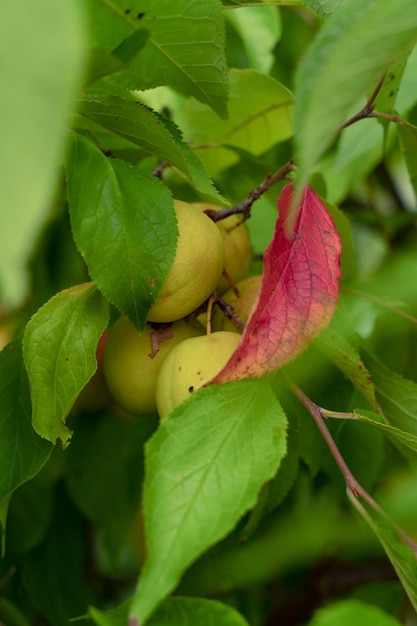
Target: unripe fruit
pixel 130 372
pixel 237 250
pixel 190 365
pixel 248 293
pixel 196 269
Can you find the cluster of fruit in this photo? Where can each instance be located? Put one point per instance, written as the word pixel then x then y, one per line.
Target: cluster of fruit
pixel 156 370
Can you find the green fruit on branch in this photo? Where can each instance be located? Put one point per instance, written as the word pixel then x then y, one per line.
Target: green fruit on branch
pixel 248 293
pixel 196 269
pixel 237 249
pixel 130 371
pixel 190 365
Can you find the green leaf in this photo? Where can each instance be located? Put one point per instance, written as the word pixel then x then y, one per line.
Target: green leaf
pixel 185 45
pixel 345 59
pixel 341 352
pixel 324 8
pixel 155 133
pixel 108 454
pixel 176 611
pixel 351 613
pixel 395 434
pixel 400 550
pixel 124 225
pixel 259 29
pixel 37 98
pixel 396 396
pixel 22 452
pixel 204 469
pixel 408 138
pixel 260 112
pixel 59 351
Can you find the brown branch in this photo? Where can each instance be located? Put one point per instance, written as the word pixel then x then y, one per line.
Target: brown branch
pixel 229 312
pixel 159 169
pixel 245 206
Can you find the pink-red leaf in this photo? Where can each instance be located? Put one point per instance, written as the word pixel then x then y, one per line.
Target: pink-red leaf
pixel 299 289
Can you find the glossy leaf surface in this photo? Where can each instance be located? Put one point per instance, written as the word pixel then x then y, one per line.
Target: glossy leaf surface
pixel 124 225
pixel 204 468
pixel 184 48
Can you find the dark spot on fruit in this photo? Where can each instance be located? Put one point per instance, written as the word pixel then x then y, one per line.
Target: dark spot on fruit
pixel 140 16
pixel 191 389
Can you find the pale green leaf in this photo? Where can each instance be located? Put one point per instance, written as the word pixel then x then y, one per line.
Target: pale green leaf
pixel 342 64
pixel 324 8
pixel 152 132
pixel 260 116
pixel 124 225
pixel 41 61
pixel 59 352
pixel 176 611
pixel 22 452
pixel 259 29
pixel 352 612
pixel 400 550
pixel 184 48
pixel 204 469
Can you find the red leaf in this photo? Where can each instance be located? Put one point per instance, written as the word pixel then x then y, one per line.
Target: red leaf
pixel 299 290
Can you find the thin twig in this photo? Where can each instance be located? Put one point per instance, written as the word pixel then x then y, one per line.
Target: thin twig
pixel 245 206
pixel 354 488
pixel 229 312
pixel 159 169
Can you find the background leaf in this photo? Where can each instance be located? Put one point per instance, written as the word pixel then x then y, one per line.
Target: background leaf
pixel 395 434
pixel 298 294
pixel 402 556
pixel 396 396
pixel 59 351
pixel 37 97
pixel 22 452
pixel 259 28
pixel 108 453
pixel 124 225
pixel 185 47
pixel 260 116
pixel 348 360
pixel 341 65
pixel 351 612
pixel 204 469
pixel 177 611
pixel 155 133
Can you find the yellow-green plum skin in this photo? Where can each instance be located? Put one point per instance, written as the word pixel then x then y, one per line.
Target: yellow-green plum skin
pixel 248 293
pixel 196 269
pixel 130 372
pixel 237 248
pixel 190 365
